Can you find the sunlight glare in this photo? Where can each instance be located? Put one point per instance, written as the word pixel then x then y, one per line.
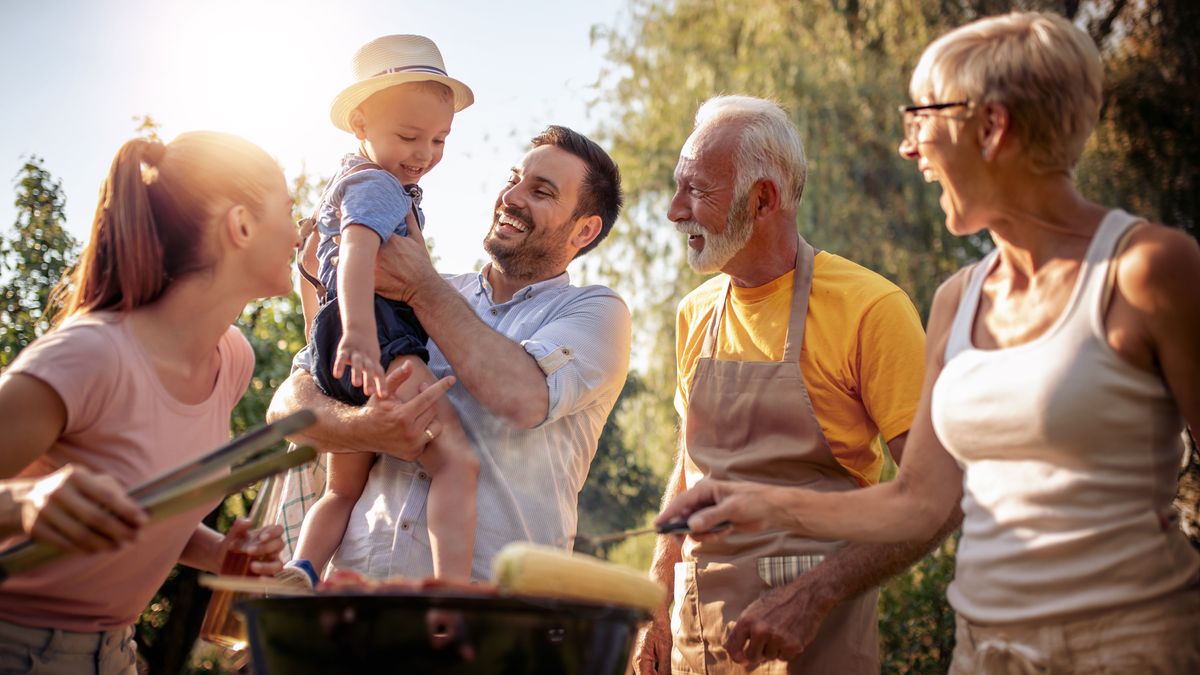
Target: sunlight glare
pixel 247 68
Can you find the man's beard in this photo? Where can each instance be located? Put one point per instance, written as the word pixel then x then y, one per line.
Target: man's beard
pixel 537 256
pixel 719 249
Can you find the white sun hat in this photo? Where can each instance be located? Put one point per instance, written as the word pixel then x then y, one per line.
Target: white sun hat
pixel 391 60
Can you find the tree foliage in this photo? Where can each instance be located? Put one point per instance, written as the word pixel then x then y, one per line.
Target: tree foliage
pixel 621 488
pixel 34 255
pixel 1143 154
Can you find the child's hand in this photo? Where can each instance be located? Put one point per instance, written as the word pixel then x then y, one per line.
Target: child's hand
pixel 361 356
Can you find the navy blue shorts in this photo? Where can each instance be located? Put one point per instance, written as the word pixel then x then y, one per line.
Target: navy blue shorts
pixel 399 334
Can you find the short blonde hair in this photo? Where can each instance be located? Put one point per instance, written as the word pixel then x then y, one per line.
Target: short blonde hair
pixel 1040 66
pixel 769 145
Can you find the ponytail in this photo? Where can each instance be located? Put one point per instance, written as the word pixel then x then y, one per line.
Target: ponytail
pixel 150 225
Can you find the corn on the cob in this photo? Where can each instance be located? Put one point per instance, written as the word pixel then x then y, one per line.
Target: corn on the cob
pixel 529 569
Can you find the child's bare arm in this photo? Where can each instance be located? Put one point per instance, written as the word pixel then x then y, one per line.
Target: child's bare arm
pixel 359 346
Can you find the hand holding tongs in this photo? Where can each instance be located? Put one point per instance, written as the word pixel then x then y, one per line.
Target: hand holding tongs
pixel 674 527
pixel 194 484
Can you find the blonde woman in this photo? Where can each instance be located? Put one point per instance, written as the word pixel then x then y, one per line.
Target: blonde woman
pixel 139 377
pixel 1060 372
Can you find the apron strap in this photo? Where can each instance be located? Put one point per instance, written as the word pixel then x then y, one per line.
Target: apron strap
pixel 714 324
pixel 308 226
pixel 801 286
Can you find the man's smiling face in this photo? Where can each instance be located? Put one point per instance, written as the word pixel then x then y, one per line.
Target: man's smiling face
pixel 535 217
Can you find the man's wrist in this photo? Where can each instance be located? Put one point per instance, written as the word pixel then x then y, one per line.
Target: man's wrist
pixel 349 427
pixel 429 292
pixel 789 503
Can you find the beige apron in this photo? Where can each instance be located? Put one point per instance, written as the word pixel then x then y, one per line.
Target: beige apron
pixel 753 421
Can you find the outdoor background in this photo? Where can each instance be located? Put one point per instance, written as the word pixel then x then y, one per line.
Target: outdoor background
pixel 83 77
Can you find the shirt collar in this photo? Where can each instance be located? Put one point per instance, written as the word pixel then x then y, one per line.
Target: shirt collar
pixel 483 287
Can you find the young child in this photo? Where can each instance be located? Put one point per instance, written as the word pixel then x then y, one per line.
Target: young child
pixel 400 110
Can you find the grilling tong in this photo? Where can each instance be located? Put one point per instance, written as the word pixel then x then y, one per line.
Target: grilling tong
pixel 231 467
pixel 674 527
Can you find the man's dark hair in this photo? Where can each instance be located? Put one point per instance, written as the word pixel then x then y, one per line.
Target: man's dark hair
pixel 601 193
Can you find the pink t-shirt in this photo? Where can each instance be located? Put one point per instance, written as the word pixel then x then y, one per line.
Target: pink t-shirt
pixel 120 420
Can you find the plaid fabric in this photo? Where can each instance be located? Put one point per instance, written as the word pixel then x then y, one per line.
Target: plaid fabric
pixel 780 570
pixel 290 496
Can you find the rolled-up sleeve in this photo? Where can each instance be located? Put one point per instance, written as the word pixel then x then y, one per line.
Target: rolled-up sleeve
pixel 584 352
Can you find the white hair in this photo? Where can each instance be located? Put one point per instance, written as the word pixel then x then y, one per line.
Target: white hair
pixel 768 146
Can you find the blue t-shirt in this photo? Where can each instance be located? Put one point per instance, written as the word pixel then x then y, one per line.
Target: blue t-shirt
pixel 373 198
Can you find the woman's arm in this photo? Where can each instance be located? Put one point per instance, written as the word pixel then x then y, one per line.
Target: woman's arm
pixel 207 548
pixel 71 508
pixel 1157 280
pixel 914 506
pixel 33 416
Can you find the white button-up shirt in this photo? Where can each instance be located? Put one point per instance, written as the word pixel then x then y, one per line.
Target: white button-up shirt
pixel 529 479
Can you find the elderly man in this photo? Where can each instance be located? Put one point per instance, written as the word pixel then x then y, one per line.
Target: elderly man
pixel 791 363
pixel 539 364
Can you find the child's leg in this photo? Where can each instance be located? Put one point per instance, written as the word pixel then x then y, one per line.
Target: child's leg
pixel 451 461
pixel 325 523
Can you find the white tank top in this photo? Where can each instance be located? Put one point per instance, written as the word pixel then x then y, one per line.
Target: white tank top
pixel 1069 455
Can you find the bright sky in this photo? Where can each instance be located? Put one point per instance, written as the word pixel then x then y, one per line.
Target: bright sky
pixel 76 74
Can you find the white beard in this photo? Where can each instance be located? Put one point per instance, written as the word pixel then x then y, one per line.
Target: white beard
pixel 719 249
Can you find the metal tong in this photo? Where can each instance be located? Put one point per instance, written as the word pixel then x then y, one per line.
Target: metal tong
pixel 194 484
pixel 673 527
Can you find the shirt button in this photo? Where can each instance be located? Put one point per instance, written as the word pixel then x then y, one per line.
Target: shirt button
pixel 493 311
pixel 422 475
pixel 566 351
pixel 405 525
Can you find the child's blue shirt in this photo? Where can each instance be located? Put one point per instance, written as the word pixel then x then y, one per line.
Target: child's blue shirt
pixel 375 199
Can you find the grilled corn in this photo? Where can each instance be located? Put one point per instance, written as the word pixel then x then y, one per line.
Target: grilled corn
pixel 529 569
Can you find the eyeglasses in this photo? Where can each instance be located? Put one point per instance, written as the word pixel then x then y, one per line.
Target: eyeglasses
pixel 913 114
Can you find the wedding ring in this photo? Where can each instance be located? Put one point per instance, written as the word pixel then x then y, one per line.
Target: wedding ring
pixel 428 433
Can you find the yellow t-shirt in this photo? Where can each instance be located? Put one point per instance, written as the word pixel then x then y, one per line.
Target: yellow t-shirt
pixel 862 361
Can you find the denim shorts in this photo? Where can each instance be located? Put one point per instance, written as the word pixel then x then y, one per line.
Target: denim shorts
pixel 398 331
pixel 49 651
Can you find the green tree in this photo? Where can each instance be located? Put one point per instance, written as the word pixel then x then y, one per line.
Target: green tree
pixel 621 489
pixel 34 256
pixel 1142 156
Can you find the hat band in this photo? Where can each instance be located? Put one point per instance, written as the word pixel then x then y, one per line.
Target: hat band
pixel 412 69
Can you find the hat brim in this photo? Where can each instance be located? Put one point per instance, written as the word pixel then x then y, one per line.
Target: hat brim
pixel 353 96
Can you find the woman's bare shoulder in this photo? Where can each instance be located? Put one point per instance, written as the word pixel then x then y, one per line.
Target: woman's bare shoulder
pixel 1157 262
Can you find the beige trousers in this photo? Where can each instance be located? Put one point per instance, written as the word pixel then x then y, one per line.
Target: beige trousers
pixel 48 651
pixel 1158 637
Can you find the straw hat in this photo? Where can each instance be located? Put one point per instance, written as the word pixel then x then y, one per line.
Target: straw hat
pixel 391 60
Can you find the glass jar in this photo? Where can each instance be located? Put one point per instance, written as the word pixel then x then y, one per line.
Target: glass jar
pixel 223 625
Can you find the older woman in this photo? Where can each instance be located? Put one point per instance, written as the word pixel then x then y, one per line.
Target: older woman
pixel 139 377
pixel 1060 371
